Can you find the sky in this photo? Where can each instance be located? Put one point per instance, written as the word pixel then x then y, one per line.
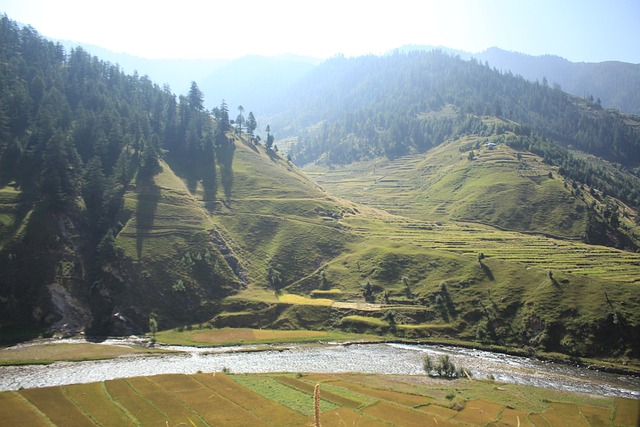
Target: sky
pixel 578 30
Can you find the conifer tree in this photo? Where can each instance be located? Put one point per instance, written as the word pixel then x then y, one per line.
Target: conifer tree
pixel 251 124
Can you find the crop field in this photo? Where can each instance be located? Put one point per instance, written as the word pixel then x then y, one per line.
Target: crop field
pixel 297 299
pixel 217 399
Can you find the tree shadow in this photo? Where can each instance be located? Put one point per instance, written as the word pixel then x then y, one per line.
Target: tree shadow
pixel 209 178
pixel 252 145
pixel 147 197
pixel 192 183
pixel 447 307
pixel 273 155
pixel 225 160
pixel 487 271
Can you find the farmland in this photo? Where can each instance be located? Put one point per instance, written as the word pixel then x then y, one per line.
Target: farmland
pixel 287 400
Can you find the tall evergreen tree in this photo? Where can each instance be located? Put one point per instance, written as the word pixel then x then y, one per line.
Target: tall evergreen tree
pixel 251 124
pixel 195 97
pixel 59 177
pixel 240 119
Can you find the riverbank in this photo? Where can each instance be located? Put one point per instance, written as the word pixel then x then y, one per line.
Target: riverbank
pixel 390 358
pixel 47 351
pixel 240 336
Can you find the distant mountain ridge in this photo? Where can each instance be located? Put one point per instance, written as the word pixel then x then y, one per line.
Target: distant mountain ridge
pixel 253 79
pixel 257 80
pixel 615 83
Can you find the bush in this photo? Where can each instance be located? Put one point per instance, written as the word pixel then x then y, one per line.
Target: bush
pixel 444 368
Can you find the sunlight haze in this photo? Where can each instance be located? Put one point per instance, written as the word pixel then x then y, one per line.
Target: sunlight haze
pixel 589 31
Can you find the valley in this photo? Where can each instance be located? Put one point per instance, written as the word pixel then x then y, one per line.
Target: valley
pixel 417 203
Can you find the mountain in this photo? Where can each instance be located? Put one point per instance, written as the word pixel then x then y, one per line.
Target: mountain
pixel 611 82
pixel 384 105
pixel 121 203
pixel 123 198
pixel 361 108
pixel 89 199
pixel 608 81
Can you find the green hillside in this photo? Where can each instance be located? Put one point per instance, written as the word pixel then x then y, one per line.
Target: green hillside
pixel 424 279
pixel 275 219
pixel 477 179
pixel 350 109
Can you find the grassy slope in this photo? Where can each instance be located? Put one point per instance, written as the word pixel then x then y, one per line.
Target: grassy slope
pixel 496 187
pixel 275 217
pixel 277 399
pixel 50 353
pixel 173 265
pixel 13 214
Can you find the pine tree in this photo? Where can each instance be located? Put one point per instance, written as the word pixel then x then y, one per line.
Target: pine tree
pixel 251 124
pixel 240 119
pixel 59 177
pixel 270 138
pixel 222 118
pixel 195 97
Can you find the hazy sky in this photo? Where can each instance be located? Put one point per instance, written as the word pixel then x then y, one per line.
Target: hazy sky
pixel 579 30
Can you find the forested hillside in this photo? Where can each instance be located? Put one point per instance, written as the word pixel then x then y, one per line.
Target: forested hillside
pixel 349 109
pixel 609 81
pixel 83 148
pixel 361 108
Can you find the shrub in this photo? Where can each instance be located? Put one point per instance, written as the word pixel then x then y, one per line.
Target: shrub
pixel 444 368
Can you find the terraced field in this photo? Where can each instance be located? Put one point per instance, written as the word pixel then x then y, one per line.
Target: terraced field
pixel 533 216
pixel 287 400
pixel 501 186
pixel 161 214
pixel 529 249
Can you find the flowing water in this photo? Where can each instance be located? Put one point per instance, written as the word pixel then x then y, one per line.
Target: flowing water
pixel 366 358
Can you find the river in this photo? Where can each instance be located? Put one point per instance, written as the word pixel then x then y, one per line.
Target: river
pixel 366 358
